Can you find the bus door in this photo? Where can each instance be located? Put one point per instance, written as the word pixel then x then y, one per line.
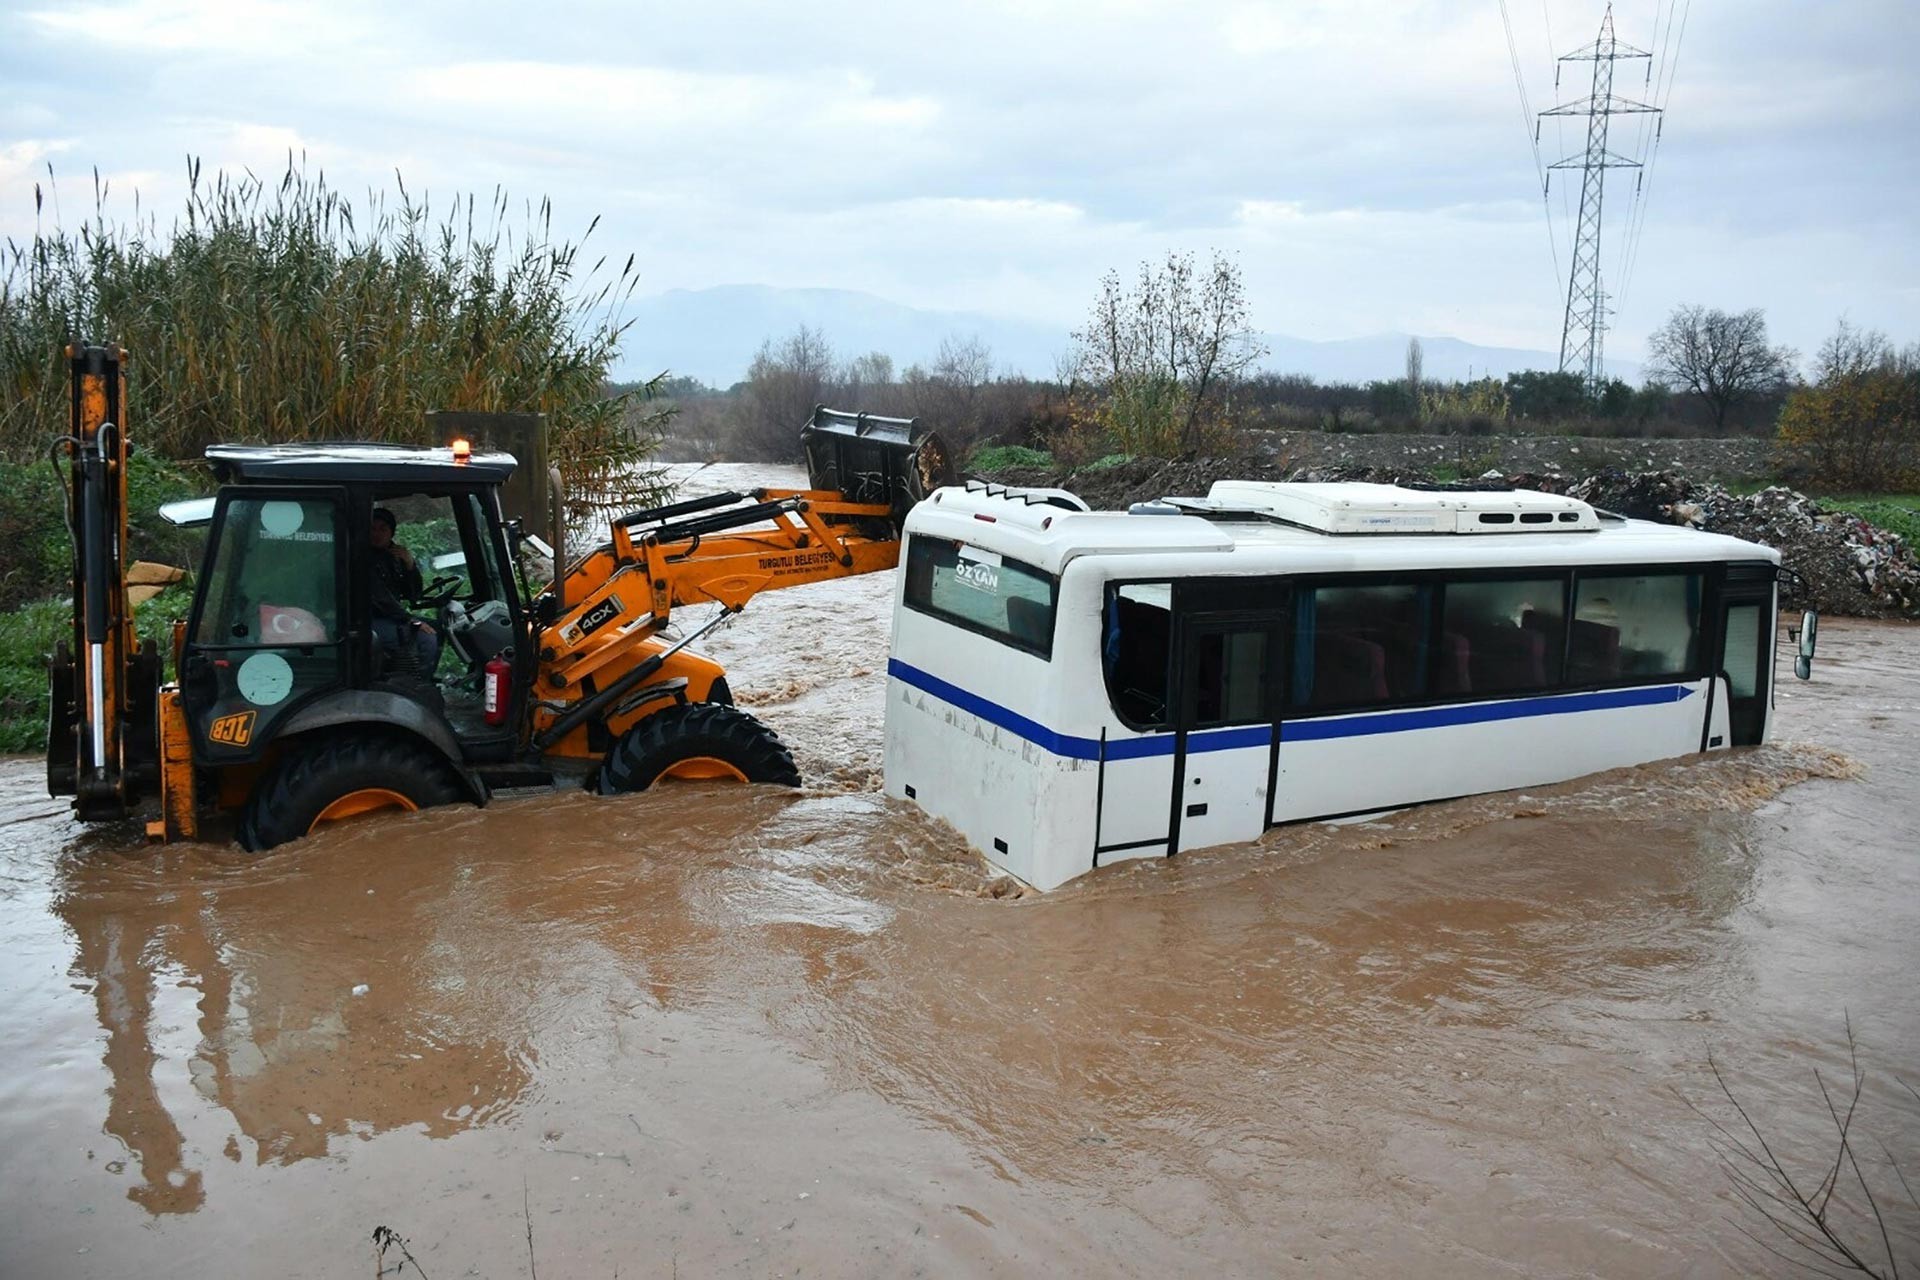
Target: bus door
pixel 1136 772
pixel 1230 686
pixel 1746 651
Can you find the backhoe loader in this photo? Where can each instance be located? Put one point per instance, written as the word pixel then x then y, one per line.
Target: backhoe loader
pixel 290 707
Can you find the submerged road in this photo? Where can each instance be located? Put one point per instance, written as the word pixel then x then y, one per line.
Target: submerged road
pixel 708 1031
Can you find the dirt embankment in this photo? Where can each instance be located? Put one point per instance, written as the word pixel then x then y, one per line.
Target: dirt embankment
pixel 1721 459
pixel 1851 567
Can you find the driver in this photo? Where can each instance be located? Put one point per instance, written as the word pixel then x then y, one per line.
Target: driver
pixel 393 578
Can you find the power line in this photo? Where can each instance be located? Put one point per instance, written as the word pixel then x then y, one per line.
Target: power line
pixel 1662 96
pixel 1582 333
pixel 1528 118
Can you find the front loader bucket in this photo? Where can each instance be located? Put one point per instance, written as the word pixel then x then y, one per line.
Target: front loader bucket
pixel 871 459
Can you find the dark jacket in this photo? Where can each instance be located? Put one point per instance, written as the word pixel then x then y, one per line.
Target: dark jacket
pixel 391 584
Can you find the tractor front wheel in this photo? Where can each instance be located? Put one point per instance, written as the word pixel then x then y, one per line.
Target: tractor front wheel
pixel 702 740
pixel 341 778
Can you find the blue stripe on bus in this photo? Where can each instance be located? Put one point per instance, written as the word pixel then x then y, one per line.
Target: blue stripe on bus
pixel 1479 713
pixel 1077 748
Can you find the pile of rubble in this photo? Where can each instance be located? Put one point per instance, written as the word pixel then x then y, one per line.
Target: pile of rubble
pixel 1850 567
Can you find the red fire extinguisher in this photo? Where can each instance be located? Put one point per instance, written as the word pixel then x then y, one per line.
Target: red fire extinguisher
pixel 499 687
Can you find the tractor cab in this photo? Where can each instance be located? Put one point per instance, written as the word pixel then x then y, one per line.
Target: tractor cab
pixel 305 618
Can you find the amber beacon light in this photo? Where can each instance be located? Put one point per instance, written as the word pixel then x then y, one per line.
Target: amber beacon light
pixel 462 450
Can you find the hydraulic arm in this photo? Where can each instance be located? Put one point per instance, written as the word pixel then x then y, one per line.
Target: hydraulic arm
pixel 101 742
pixel 724 549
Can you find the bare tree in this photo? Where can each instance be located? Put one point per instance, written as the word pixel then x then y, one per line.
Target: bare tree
pixel 1720 356
pixel 1826 1219
pixel 1161 353
pixel 784 383
pixel 866 373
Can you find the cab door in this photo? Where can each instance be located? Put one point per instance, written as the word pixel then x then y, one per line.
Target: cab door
pixel 267 632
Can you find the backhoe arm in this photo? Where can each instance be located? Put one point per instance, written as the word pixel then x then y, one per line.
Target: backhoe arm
pixel 703 553
pixel 604 656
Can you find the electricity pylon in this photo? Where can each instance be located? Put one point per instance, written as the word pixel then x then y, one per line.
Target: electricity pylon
pixel 1583 335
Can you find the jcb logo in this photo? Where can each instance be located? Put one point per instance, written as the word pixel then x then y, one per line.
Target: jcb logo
pixel 234 731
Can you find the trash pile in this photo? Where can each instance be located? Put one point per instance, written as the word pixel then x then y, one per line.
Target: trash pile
pixel 1851 567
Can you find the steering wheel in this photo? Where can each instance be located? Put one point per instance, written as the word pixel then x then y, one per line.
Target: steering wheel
pixel 437 593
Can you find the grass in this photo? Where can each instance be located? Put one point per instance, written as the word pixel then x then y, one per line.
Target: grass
pixel 998 457
pixel 1895 512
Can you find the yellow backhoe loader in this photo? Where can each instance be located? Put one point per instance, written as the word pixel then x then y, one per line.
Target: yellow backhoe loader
pixel 363 636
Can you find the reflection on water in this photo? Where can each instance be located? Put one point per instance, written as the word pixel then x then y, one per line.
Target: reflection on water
pixel 316 1016
pixel 755 1031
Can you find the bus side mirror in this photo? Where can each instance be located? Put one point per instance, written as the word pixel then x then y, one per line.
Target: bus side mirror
pixel 1809 634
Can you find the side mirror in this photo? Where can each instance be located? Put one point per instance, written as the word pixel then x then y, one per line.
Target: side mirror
pixel 1809 635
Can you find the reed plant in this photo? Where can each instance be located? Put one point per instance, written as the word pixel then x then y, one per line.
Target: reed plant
pixel 283 311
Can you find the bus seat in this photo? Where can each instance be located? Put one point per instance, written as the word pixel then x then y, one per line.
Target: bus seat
pixel 1455 674
pixel 1595 653
pixel 1550 625
pixel 1506 657
pixel 1347 669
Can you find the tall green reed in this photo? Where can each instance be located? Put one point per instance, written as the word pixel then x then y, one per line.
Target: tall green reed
pixel 282 311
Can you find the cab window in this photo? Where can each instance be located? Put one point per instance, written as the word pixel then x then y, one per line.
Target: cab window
pixel 274 579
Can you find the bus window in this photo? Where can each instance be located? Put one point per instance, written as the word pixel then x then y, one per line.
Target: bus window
pixel 1358 645
pixel 982 591
pixel 1502 637
pixel 1230 678
pixel 1634 627
pixel 1135 638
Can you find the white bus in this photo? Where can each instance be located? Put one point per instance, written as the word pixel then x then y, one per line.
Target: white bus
pixel 1070 688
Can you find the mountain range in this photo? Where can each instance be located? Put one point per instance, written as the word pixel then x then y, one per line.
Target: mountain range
pixel 713 334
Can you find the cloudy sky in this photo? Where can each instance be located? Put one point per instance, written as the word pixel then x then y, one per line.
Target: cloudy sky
pixel 1366 160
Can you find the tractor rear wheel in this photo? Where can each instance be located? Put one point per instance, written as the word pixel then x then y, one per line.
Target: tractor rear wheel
pixel 341 778
pixel 702 740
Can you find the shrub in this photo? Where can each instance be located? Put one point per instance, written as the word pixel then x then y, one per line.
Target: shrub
pixel 33 528
pixel 1858 427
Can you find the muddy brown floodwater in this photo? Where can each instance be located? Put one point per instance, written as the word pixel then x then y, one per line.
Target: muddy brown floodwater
pixel 711 1031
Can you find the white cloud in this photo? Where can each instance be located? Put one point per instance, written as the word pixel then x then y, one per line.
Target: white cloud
pixel 276 28
pixel 1363 157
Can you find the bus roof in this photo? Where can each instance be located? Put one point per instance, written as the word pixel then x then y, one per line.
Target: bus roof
pixel 1262 528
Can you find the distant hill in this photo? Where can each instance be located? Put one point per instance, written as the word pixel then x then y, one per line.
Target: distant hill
pixel 712 335
pixel 1385 356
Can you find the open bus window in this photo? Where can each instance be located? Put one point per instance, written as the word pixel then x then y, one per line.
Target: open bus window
pixel 1502 637
pixel 982 591
pixel 1634 627
pixel 1360 645
pixel 1135 638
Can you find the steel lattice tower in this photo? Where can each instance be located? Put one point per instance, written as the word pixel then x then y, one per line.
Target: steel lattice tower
pixel 1582 336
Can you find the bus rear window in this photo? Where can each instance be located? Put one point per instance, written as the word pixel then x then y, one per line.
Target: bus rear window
pixel 982 591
